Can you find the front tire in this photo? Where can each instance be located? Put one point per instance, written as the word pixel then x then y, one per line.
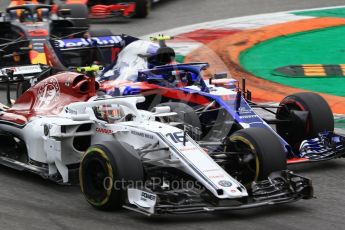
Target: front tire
pixel 261 154
pixel 105 170
pixel 319 117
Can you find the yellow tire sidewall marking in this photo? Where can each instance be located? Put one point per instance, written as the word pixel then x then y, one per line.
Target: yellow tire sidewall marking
pixel 100 152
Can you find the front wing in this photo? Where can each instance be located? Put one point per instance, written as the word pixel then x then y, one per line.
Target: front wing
pixel 326 146
pixel 280 187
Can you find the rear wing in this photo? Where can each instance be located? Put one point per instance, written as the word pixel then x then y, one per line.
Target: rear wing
pixel 82 43
pixel 22 78
pixel 24 73
pixel 86 51
pixel 21 70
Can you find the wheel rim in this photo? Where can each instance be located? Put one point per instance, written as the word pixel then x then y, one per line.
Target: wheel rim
pixel 96 177
pixel 284 130
pixel 248 164
pixel 95 174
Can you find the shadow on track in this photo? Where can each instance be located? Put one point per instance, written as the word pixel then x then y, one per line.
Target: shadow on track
pixel 326 166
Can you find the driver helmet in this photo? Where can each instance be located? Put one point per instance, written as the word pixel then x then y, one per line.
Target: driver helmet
pixel 109 113
pixel 162 56
pixel 26 16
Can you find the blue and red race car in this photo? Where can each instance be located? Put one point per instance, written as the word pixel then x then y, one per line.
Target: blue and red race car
pixel 212 109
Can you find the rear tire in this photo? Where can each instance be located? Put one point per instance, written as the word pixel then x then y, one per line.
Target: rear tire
pixel 105 170
pixel 142 8
pixel 319 119
pixel 79 14
pixel 185 113
pixel 263 151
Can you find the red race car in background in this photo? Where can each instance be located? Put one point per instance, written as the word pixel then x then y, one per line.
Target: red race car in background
pixel 99 9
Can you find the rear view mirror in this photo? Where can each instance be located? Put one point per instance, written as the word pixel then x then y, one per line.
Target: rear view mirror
pixel 220 75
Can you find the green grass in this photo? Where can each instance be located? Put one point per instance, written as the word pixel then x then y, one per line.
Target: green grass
pixel 337 12
pixel 324 46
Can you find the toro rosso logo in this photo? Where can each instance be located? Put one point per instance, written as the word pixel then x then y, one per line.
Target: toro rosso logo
pixel 82 42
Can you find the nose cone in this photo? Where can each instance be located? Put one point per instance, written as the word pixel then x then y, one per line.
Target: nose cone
pixel 230 189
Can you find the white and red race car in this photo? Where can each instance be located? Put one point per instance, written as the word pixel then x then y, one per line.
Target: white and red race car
pixel 125 157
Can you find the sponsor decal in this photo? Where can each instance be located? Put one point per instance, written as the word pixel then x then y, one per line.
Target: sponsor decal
pixel 189 148
pixel 80 42
pixel 145 135
pixel 244 110
pixel 216 176
pixel 142 199
pixel 147 196
pixel 249 116
pixel 48 93
pixel 29 69
pixel 225 183
pixel 38 32
pixel 104 131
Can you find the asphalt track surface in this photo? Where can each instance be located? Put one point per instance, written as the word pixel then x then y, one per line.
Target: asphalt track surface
pixel 29 202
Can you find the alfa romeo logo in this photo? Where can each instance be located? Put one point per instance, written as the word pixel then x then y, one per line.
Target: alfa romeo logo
pixel 48 93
